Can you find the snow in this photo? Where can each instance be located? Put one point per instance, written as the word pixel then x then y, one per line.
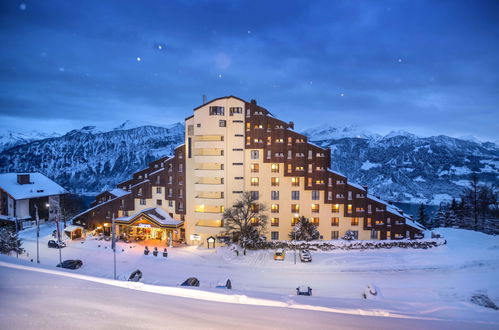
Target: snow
pixel 355 185
pixel 158 214
pixel 367 165
pixel 40 186
pixel 419 179
pixel 118 192
pixel 416 284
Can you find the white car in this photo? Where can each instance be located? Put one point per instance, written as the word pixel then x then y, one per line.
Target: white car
pixel 305 256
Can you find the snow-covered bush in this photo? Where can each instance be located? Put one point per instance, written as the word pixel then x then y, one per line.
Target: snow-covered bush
pixel 304 230
pixel 9 242
pixel 349 235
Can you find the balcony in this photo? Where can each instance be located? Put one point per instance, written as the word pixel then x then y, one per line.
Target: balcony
pixel 200 173
pixel 209 152
pixel 209 159
pixel 213 138
pixel 209 144
pixel 209 223
pixel 201 208
pixel 205 187
pixel 209 201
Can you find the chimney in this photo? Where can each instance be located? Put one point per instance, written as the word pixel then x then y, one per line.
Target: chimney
pixel 23 178
pixel 253 101
pixel 291 125
pixel 204 99
pixel 366 188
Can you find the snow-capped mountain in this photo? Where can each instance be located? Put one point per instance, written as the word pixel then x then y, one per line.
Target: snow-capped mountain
pixel 404 167
pixel 9 139
pixel 90 159
pixel 399 166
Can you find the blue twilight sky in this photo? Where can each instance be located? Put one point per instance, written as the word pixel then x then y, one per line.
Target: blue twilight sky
pixel 429 67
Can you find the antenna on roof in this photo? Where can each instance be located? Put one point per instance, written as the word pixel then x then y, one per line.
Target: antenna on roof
pixel 204 99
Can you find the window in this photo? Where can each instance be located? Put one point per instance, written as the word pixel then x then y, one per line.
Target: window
pixel 294 221
pixel 295 182
pixel 335 222
pixel 359 209
pixel 274 208
pixel 274 181
pixel 238 178
pixel 159 202
pixel 254 154
pixel 355 234
pixel 279 140
pixel 235 164
pixel 269 154
pixel 290 154
pixel 170 180
pixel 295 208
pixel 315 195
pixel 158 189
pixel 290 141
pixel 217 111
pixel 388 222
pixel 309 168
pixel 233 110
pixel 374 234
pixel 329 182
pixel 180 167
pixel 198 125
pixel 222 123
pixel 140 192
pixel 274 195
pixel 274 235
pixel 255 168
pixel 369 222
pixel 269 140
pixel 255 182
pixel 295 195
pixel 349 195
pixel 319 181
pixel 275 168
pixel 369 208
pixel 237 149
pixel 310 154
pixel 274 222
pixel 335 234
pixel 142 201
pixel 309 182
pixel 170 203
pixel 170 192
pixel 315 208
pixel 315 221
pixel 180 193
pixel 354 222
pixel 190 129
pixel 329 195
pixel 349 208
pixel 181 206
pixel 255 195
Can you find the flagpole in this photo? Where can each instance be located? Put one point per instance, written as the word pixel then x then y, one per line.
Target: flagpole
pixel 114 244
pixel 37 235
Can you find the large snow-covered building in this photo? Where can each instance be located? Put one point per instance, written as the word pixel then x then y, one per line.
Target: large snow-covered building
pixel 21 194
pixel 232 146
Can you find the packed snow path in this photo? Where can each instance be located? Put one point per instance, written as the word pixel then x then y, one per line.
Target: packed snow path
pixel 31 299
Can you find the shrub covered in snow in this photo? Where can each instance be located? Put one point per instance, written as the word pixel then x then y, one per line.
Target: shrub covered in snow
pixel 9 242
pixel 304 230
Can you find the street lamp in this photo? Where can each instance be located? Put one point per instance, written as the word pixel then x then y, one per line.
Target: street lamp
pixel 57 211
pixel 113 244
pixel 37 234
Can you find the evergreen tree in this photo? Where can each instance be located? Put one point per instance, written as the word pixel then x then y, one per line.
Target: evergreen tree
pixel 70 205
pixel 438 219
pixel 422 217
pixel 304 230
pixel 349 235
pixel 9 241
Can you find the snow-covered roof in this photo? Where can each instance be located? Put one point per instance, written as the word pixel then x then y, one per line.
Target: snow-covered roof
pixel 72 228
pixel 376 199
pixel 337 173
pixel 118 192
pixel 414 224
pixel 394 210
pixel 356 186
pixel 157 214
pixel 7 218
pixel 39 186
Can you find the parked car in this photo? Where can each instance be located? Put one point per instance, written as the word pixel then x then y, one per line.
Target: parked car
pixel 279 254
pixel 191 281
pixel 56 245
pixel 305 256
pixel 303 290
pixel 71 264
pixel 135 276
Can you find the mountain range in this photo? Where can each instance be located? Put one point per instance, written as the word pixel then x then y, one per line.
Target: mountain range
pixel 399 166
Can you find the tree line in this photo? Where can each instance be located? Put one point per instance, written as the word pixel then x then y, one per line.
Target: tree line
pixel 475 209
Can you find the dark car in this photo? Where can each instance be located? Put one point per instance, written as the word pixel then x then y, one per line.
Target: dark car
pixel 71 264
pixel 56 245
pixel 304 290
pixel 135 276
pixel 191 281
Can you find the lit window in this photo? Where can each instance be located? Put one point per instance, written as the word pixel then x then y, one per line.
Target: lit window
pixel 275 168
pixel 335 222
pixel 255 168
pixel 315 208
pixel 349 208
pixel 254 181
pixel 294 221
pixel 335 208
pixel 295 208
pixel 295 182
pixel 274 181
pixel 274 222
pixel 274 208
pixel 354 222
pixel 315 221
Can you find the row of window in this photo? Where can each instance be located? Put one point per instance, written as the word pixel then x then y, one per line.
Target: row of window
pixel 335 234
pixel 220 111
pixel 335 221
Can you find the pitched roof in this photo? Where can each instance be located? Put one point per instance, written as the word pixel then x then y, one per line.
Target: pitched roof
pixel 39 186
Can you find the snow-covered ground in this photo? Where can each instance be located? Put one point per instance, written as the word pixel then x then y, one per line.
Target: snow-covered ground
pixel 432 284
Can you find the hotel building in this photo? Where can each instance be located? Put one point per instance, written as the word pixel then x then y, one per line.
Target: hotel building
pixel 232 146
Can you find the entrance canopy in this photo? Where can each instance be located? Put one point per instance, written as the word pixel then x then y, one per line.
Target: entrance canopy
pixel 152 217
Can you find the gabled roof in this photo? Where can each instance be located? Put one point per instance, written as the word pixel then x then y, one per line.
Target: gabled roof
pixel 39 186
pixel 220 98
pixel 155 214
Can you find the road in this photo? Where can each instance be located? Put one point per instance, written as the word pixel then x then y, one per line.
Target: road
pixel 32 300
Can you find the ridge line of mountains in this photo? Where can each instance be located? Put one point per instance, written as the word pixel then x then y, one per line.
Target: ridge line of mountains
pixel 399 166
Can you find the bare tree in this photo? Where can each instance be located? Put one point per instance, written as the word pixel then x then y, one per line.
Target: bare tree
pixel 245 220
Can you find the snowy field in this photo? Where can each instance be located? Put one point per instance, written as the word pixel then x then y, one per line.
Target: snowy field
pixel 426 285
